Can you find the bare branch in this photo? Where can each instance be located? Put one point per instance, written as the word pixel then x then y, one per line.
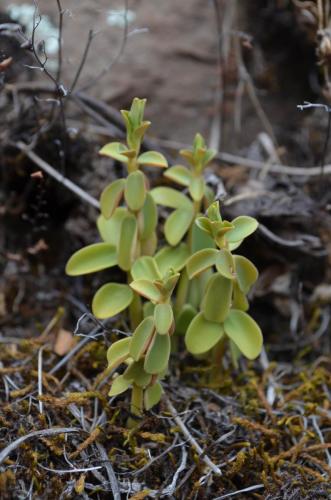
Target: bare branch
pixel 46 167
pixel 191 439
pixel 46 432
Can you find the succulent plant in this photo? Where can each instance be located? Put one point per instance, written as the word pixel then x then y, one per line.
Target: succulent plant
pixel 192 286
pixel 224 304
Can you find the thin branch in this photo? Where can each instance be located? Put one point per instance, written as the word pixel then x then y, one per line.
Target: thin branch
pixel 110 472
pixel 82 62
pixel 40 378
pixel 60 58
pixel 119 53
pixel 46 432
pixel 46 167
pixel 238 492
pixel 191 439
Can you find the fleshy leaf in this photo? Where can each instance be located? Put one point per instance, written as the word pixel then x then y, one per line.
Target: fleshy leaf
pixel 197 188
pixel 177 224
pixel 201 239
pixel 244 332
pixel 91 259
pixel 127 242
pixel 135 191
pixel 147 289
pixel 234 246
pixel 152 395
pixel 201 261
pixel 149 217
pixel 111 299
pixel 172 257
pixel 141 338
pixel 136 373
pixel 204 224
pixel 111 197
pixel 202 335
pixel 239 298
pixel 225 264
pixel 179 174
pixel 185 316
pixel 158 353
pixel 148 246
pixel 163 318
pixel 145 268
pixel 243 227
pixel 246 272
pixel 118 352
pixel 148 309
pixel 114 150
pixel 153 159
pixel 209 196
pixel 170 197
pixel 119 385
pixel 217 300
pixel 110 229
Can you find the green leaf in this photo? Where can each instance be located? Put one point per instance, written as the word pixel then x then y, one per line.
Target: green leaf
pixel 201 261
pixel 163 318
pixel 239 300
pixel 135 191
pixel 179 174
pixel 204 224
pixel 111 299
pixel 217 300
pixel 177 224
pixel 172 258
pixel 152 159
pixel 234 246
pixel 235 354
pixel 135 373
pixel 185 316
pixel 169 282
pixel 243 227
pixel 148 309
pixel 209 195
pixel 225 264
pixel 91 259
pixel 244 332
pixel 119 385
pixel 111 197
pixel 149 217
pixel 158 353
pixel 170 197
pixel 118 352
pixel 152 395
pixel 202 335
pixel 147 289
pixel 197 188
pixel 114 150
pixel 213 212
pixel 127 242
pixel 145 268
pixel 200 239
pixel 148 246
pixel 247 273
pixel 141 337
pixel 110 229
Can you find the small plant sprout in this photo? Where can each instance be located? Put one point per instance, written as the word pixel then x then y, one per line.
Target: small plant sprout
pixel 128 221
pixel 182 218
pixel 193 286
pixel 224 304
pixel 147 352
